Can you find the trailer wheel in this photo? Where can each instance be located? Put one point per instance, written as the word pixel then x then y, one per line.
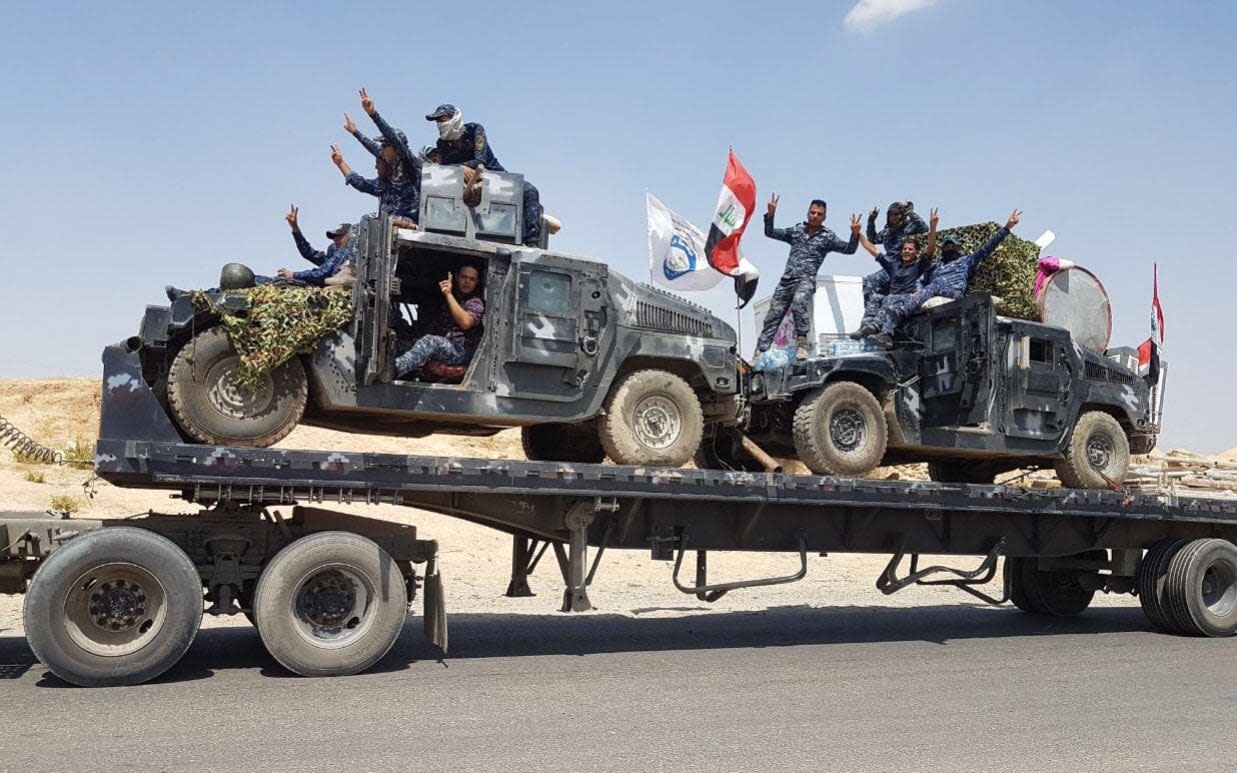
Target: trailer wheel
pixel 1152 574
pixel 209 404
pixel 652 418
pixel 1200 589
pixel 1057 593
pixel 958 471
pixel 563 443
pixel 1097 452
pixel 115 606
pixel 839 429
pixel 330 604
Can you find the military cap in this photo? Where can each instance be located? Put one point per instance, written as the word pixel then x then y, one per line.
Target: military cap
pixel 339 230
pixel 442 111
pixel 951 239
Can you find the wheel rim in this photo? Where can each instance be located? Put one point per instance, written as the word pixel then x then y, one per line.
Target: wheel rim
pixel 657 422
pixel 1100 451
pixel 331 607
pixel 847 430
pixel 115 609
pixel 229 397
pixel 1219 589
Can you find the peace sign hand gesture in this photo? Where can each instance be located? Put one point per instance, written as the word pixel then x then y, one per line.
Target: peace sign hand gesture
pixel 367 104
pixel 349 126
pixel 773 200
pixel 291 217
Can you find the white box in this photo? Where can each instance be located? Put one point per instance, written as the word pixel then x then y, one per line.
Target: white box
pixel 836 310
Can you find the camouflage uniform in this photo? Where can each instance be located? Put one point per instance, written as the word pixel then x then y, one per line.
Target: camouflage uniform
pixel 798 283
pixel 447 342
pixel 400 193
pixel 326 264
pixel 946 280
pixel 876 284
pixel 473 148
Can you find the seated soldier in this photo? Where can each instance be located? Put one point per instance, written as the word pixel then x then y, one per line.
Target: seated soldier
pixel 901 277
pixel 455 332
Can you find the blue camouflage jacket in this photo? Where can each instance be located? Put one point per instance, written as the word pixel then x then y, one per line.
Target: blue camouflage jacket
pixel 808 252
pixel 470 149
pixel 399 194
pixel 956 273
pixel 890 237
pixel 326 263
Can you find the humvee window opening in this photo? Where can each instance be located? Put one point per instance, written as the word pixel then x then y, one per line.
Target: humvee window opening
pixel 548 291
pixel 1041 350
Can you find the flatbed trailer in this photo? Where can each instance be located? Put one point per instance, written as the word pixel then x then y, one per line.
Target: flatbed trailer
pixel 119 601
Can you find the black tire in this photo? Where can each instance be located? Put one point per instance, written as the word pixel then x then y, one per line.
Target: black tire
pixel 653 419
pixel 1098 447
pixel 563 443
pixel 113 607
pixel 959 471
pixel 211 408
pixel 840 429
pixel 1201 588
pixel 1152 575
pixel 1056 593
pixel 330 604
pixel 724 451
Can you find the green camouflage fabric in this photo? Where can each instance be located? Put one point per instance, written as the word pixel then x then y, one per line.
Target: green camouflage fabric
pixel 278 323
pixel 1008 273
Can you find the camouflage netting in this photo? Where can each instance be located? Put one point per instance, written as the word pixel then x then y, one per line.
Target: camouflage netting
pixel 280 322
pixel 1009 272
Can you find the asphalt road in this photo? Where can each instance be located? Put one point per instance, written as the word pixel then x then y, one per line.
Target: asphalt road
pixel 855 688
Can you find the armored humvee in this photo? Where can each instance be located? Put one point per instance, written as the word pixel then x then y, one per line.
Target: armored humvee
pixel 587 362
pixel 971 393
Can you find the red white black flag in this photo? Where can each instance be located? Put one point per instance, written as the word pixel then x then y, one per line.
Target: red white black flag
pixel 735 205
pixel 1149 350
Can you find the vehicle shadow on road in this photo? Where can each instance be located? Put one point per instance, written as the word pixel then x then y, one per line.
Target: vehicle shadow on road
pixel 475 636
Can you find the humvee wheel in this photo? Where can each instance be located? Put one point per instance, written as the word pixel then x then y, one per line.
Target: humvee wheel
pixel 840 429
pixel 959 471
pixel 1098 452
pixel 211 407
pixel 652 418
pixel 562 443
pixel 330 604
pixel 115 606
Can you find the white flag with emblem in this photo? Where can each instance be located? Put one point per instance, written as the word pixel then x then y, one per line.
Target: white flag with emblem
pixel 676 250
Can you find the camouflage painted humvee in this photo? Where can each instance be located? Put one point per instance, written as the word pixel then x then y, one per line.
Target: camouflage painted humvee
pixel 587 362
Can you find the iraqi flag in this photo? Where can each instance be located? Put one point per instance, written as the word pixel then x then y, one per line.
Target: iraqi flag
pixel 1149 350
pixel 735 205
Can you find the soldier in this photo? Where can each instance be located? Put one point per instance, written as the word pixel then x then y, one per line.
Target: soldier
pixel 341 251
pixel 947 279
pixel 466 144
pixel 398 184
pixel 901 220
pixel 456 331
pixel 900 278
pixel 809 243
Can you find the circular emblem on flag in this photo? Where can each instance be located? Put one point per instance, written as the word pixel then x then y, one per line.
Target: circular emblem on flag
pixel 680 260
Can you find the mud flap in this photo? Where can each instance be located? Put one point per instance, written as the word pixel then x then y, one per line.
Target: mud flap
pixel 435 619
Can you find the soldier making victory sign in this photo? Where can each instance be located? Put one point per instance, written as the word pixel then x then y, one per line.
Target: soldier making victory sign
pixel 398 184
pixel 809 243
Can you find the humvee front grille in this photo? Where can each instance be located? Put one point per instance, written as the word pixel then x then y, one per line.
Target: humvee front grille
pixel 657 318
pixel 1099 372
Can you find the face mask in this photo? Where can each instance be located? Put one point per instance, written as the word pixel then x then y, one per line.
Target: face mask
pixel 452 128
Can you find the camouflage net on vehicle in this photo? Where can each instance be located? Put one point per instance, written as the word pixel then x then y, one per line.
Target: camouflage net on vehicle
pixel 1008 273
pixel 278 323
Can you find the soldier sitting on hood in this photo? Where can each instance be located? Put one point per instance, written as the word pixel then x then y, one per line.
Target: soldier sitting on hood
pixel 466 144
pixel 398 184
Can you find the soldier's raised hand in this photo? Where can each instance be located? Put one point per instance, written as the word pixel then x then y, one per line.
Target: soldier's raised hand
pixel 291 217
pixel 349 126
pixel 773 200
pixel 367 104
pixel 856 225
pixel 445 285
pixel 336 156
pixel 1014 217
pixel 875 213
pixel 933 218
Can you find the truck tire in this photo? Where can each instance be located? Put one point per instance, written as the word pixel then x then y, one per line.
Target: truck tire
pixel 723 451
pixel 1152 572
pixel 1097 449
pixel 330 604
pixel 840 429
pixel 578 443
pixel 652 419
pixel 113 607
pixel 959 471
pixel 212 408
pixel 1056 593
pixel 1200 589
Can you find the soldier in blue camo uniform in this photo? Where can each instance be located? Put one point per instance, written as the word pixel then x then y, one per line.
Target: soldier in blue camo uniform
pixel 455 332
pixel 809 243
pixel 466 144
pixel 398 184
pixel 326 263
pixel 901 220
pixel 947 279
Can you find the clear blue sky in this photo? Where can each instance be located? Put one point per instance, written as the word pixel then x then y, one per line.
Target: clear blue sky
pixel 144 147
